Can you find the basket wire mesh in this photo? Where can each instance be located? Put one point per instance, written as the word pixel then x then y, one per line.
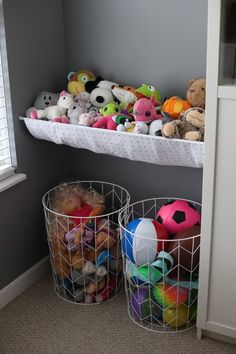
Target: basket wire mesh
pixel 161 275
pixel 85 250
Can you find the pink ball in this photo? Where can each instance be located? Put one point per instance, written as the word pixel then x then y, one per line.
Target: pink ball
pixel 178 215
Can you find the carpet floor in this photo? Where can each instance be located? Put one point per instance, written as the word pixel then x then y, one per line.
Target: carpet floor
pixel 40 322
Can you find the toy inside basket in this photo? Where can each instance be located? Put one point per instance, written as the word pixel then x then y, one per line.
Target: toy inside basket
pixel 82 228
pixel 161 245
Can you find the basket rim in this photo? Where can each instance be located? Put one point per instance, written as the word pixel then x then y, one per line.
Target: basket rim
pixel 149 238
pixel 86 217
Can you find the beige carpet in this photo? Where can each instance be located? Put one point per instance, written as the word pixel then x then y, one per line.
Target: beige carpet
pixel 39 322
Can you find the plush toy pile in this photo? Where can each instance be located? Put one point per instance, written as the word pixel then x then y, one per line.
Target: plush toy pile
pixel 161 258
pixel 94 102
pixel 84 246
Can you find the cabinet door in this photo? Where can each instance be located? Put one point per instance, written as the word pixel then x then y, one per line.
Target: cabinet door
pixel 217 285
pixel 222 284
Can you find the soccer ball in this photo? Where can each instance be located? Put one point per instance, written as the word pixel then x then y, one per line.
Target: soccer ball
pixel 178 215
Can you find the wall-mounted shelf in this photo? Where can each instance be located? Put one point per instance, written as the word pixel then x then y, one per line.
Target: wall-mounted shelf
pixel 137 147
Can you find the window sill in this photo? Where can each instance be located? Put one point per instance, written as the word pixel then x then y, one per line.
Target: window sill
pixel 11 181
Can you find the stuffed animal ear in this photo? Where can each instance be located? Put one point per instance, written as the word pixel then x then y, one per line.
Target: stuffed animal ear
pixel 191 82
pixel 91 85
pixel 69 76
pixel 63 93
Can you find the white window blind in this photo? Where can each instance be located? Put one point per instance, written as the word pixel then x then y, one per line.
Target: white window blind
pixel 7 141
pixel 5 152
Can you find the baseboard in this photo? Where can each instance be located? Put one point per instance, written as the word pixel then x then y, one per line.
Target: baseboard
pixel 24 281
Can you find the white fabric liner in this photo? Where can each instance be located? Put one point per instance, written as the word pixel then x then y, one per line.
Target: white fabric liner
pixel 137 147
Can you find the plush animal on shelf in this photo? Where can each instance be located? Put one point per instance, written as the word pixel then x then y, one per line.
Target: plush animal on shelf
pixel 75 112
pixel 144 110
pixel 46 99
pixel 173 106
pixel 83 100
pixel 64 103
pixel 87 119
pixel 140 128
pixel 43 100
pixel 196 93
pixel 100 92
pixel 77 81
pixel 111 108
pixel 111 122
pixel 190 126
pixel 148 91
pixel 155 127
pixel 127 95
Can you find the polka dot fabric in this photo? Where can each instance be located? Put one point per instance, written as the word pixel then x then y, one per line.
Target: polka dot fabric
pixel 137 147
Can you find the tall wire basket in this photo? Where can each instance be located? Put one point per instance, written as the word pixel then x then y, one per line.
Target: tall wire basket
pixel 160 241
pixel 83 237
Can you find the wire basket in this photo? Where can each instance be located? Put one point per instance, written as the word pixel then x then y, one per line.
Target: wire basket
pixel 83 237
pixel 160 241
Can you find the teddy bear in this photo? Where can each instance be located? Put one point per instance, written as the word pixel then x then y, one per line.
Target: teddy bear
pixel 196 93
pixel 189 126
pixel 195 97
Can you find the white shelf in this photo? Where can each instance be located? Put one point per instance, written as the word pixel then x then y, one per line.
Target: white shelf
pixel 137 147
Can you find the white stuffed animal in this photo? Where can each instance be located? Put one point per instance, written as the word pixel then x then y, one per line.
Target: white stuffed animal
pixel 87 119
pixel 57 111
pixel 74 113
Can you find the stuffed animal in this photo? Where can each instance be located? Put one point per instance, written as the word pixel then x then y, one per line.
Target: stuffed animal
pixel 173 106
pixel 144 110
pixel 112 121
pixel 100 92
pixel 75 112
pixel 111 108
pixel 190 126
pixel 196 93
pixel 46 99
pixel 148 91
pixel 77 81
pixel 43 100
pixel 155 127
pixel 127 95
pixel 83 100
pixel 64 103
pixel 140 127
pixel 68 197
pixel 106 236
pixel 87 119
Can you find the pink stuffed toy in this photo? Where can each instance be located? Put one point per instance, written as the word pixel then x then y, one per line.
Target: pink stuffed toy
pixel 112 121
pixel 144 110
pixel 87 119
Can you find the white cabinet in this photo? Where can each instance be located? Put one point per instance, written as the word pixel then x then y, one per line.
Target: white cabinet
pixel 217 285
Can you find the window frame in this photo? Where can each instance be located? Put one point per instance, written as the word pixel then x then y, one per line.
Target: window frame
pixel 8 177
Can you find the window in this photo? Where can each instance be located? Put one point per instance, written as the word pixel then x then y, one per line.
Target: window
pixel 7 148
pixel 7 141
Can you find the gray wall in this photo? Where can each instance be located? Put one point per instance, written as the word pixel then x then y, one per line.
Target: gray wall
pixel 134 42
pixel 137 41
pixel 36 56
pixel 131 41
